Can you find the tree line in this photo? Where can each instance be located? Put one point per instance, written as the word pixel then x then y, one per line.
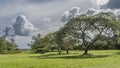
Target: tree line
pixel 8 46
pixel 83 32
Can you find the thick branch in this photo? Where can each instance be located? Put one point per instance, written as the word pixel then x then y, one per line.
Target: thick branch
pixel 89 46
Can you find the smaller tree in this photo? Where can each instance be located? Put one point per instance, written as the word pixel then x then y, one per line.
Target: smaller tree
pixel 7 46
pixel 39 45
pixel 59 39
pixel 69 42
pixel 50 40
pixel 7 31
pixel 3 45
pixel 64 40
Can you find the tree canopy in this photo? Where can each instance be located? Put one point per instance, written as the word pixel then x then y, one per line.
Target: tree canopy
pixel 88 29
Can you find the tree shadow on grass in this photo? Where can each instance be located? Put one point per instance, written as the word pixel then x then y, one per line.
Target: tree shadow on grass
pixel 56 56
pixel 83 57
pixel 117 53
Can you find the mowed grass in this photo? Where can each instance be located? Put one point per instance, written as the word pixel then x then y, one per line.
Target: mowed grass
pixel 97 59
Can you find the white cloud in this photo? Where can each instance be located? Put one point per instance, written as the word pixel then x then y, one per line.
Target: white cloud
pixel 23 26
pixel 70 14
pixel 65 16
pixel 91 11
pixel 100 2
pixel 96 11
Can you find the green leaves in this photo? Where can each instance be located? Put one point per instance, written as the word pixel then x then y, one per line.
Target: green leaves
pixel 6 46
pixel 83 26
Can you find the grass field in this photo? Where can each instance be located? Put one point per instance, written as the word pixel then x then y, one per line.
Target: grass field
pixel 98 59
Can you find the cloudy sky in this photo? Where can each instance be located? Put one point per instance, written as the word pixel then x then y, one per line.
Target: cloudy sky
pixel 45 15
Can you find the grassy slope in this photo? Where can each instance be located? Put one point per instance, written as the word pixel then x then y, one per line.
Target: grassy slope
pixel 99 59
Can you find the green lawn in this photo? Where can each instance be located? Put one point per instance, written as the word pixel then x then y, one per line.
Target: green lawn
pixel 98 59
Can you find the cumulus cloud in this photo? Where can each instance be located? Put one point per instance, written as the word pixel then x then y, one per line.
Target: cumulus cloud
pixel 70 14
pixel 76 11
pixel 23 26
pixel 92 11
pixel 96 11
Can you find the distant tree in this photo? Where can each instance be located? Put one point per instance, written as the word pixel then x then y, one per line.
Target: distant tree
pixel 50 40
pixel 35 41
pixel 104 42
pixel 12 39
pixel 69 42
pixel 39 45
pixel 3 45
pixel 59 41
pixel 7 31
pixel 64 40
pixel 101 45
pixel 116 41
pixel 11 46
pixel 6 46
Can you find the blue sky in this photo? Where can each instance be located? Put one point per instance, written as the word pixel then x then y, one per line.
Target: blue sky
pixel 43 14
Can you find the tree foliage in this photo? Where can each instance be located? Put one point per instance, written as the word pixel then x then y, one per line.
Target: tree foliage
pixel 6 46
pixel 83 26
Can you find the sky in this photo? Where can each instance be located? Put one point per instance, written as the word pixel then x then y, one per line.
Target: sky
pixel 45 15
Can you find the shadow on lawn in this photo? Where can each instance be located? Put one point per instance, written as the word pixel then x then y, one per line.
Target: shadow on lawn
pixel 117 53
pixel 56 56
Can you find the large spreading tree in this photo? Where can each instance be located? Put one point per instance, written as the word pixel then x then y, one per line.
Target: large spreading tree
pixel 88 29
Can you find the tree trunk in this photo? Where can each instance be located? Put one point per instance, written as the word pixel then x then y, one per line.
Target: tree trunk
pixel 59 50
pixel 59 53
pixel 85 52
pixel 52 49
pixel 67 51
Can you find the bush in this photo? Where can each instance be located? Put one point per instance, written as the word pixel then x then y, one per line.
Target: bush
pixel 102 45
pixel 40 50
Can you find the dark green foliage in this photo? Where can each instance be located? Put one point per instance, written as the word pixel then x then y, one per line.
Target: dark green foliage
pixel 101 45
pixel 43 44
pixel 40 50
pixel 6 46
pixel 117 46
pixel 3 45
